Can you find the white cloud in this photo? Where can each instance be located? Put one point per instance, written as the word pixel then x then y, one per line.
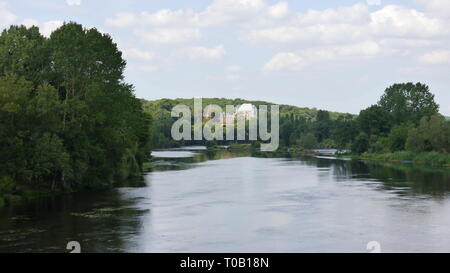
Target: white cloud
pixel 436 7
pixel 29 22
pixel 436 57
pixel 355 14
pixel 6 16
pixel 134 53
pixel 204 53
pixel 227 78
pixel 222 12
pixel 73 2
pixel 169 35
pixel 373 2
pixel 285 61
pixel 218 13
pixel 399 21
pixel 48 27
pixel 279 10
pixel 234 68
pixel 346 33
pixel 342 52
pixel 317 34
pixel 166 17
pixel 124 19
pixel 295 61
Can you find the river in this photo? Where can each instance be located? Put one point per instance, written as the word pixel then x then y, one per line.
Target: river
pixel 196 201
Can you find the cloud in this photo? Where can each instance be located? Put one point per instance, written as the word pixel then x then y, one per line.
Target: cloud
pixel 137 54
pixel 222 12
pixel 234 68
pixel 397 21
pixel 279 10
pixel 355 14
pixel 226 78
pixel 124 19
pixel 436 57
pixel 169 35
pixel 29 23
pixel 73 2
pixel 285 62
pixel 436 7
pixel 373 2
pixel 346 33
pixel 47 28
pixel 204 53
pixel 315 34
pixel 342 52
pixel 167 17
pixel 6 16
pixel 294 61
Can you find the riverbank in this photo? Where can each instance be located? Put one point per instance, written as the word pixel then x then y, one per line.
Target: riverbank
pixel 432 159
pixel 429 159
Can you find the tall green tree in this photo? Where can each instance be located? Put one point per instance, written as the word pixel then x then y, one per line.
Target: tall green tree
pixel 24 51
pixel 408 102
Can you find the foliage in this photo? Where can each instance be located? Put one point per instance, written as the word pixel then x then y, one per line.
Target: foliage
pixel 408 102
pixel 68 119
pixel 398 136
pixel 361 143
pixel 433 134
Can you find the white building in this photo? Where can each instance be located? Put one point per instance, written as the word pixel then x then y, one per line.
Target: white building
pixel 248 110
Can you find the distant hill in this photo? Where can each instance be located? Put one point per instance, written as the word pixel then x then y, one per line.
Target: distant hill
pixel 163 107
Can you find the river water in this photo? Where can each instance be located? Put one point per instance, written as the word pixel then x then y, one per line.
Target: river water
pixel 196 201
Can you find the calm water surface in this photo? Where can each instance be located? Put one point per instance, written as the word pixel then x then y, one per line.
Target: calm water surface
pixel 245 204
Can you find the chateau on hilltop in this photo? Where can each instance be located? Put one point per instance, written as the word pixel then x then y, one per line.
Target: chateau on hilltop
pixel 247 110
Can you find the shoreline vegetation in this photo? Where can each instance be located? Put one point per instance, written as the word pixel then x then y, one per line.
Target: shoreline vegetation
pixel 430 159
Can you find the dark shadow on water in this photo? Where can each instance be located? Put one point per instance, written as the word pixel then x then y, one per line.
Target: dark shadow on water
pixel 101 220
pixel 406 179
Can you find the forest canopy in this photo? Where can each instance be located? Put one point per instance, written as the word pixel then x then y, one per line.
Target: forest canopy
pixel 68 118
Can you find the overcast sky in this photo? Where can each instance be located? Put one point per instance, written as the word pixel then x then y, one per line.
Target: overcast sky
pixel 328 54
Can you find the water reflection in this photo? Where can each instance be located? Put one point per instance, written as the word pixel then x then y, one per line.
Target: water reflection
pixel 218 201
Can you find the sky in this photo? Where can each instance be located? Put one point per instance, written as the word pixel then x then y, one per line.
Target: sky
pixel 327 54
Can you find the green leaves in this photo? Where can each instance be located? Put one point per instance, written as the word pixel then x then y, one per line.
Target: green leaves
pixel 67 119
pixel 408 102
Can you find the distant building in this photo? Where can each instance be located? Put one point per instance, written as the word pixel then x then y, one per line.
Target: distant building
pixel 248 110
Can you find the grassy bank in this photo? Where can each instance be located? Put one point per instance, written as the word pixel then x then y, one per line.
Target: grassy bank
pixel 429 158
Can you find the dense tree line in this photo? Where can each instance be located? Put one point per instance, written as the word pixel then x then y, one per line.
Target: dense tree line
pixel 405 118
pixel 68 119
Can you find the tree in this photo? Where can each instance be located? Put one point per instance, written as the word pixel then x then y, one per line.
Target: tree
pixel 398 137
pixel 322 125
pixel 374 121
pixel 416 141
pixel 361 144
pixel 408 102
pixel 433 134
pixel 308 141
pixel 345 130
pixel 23 51
pixel 68 119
